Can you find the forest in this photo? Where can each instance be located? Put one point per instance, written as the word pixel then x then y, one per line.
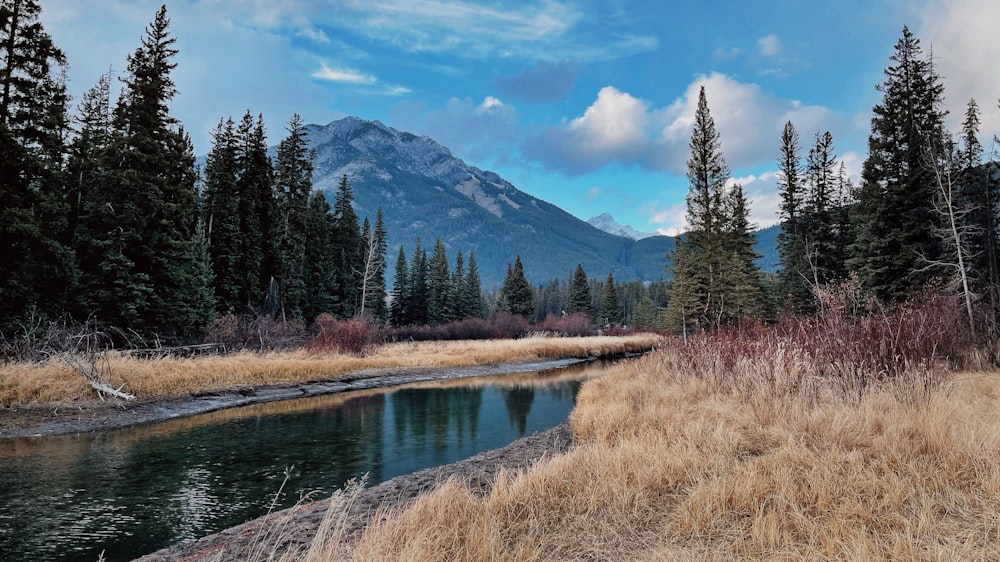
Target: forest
pixel 108 221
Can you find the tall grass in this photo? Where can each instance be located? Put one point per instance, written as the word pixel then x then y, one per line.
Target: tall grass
pixel 52 382
pixel 831 438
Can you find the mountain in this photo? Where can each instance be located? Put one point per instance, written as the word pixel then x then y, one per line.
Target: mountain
pixel 427 193
pixel 607 223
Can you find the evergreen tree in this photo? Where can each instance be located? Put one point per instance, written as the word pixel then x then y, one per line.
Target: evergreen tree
pixel 472 290
pixel 794 277
pixel 743 283
pixel 645 311
pixel 373 292
pixel 293 184
pixel 146 273
pixel 895 215
pixel 820 228
pixel 320 270
pixel 611 307
pixel 516 294
pixel 398 313
pixel 416 305
pixel 578 299
pixel 457 300
pixel 979 206
pixel 258 213
pixel 349 251
pixel 438 286
pixel 695 275
pixel 221 215
pixel 37 270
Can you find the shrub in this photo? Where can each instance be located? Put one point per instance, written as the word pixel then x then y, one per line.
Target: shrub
pixel 258 333
pixel 575 324
pixel 353 337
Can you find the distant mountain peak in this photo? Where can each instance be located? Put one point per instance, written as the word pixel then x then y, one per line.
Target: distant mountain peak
pixel 607 223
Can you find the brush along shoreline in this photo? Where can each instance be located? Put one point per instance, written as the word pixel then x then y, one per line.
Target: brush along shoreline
pixel 211 384
pixel 35 422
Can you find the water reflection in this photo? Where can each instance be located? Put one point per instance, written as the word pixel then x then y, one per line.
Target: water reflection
pixel 132 491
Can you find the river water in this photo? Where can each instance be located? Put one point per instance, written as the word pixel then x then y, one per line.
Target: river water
pixel 130 492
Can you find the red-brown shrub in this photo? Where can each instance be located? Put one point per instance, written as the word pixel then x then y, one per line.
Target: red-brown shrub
pixel 575 324
pixel 354 337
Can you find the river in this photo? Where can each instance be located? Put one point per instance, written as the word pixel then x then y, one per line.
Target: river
pixel 132 491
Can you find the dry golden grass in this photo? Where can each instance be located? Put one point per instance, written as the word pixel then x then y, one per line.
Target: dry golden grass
pixel 673 467
pixel 53 382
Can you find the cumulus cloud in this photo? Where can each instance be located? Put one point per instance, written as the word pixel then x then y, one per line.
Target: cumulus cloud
pixel 545 82
pixel 965 56
pixel 619 128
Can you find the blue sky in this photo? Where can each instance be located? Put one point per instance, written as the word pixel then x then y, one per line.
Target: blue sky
pixel 586 104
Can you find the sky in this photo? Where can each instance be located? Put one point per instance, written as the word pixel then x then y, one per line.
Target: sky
pixel 587 104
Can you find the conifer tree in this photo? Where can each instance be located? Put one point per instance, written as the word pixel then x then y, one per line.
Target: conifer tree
pixel 793 278
pixel 895 216
pixel 458 304
pixel 516 294
pixel 438 286
pixel 37 270
pixel 293 184
pixel 611 307
pixel 147 272
pixel 372 278
pixel 221 215
pixel 258 212
pixel 398 313
pixel 319 270
pixel 472 289
pixel 416 305
pixel 713 283
pixel 347 238
pixel 578 299
pixel 820 228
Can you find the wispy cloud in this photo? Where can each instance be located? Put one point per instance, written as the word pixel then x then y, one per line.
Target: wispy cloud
pixel 348 75
pixel 769 45
pixel 545 82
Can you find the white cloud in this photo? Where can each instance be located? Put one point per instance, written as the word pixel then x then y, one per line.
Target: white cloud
pixel 348 75
pixel 769 45
pixel 489 103
pixel 961 34
pixel 620 128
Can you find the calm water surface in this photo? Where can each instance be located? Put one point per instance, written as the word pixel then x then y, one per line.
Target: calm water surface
pixel 133 491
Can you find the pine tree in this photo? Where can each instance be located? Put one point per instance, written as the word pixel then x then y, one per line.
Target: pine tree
pixel 895 216
pixel 743 285
pixel 416 305
pixel 398 313
pixel 472 290
pixel 221 215
pixel 457 300
pixel 578 299
pixel 147 273
pixel 320 270
pixel 347 237
pixel 438 286
pixel 37 271
pixel 820 229
pixel 293 184
pixel 645 311
pixel 516 294
pixel 258 212
pixel 793 278
pixel 372 278
pixel 695 289
pixel 611 307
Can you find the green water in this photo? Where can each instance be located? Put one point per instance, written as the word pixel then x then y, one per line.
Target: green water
pixel 133 491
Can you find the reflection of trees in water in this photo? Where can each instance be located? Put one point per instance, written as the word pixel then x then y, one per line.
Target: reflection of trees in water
pixel 518 400
pixel 437 417
pixel 560 391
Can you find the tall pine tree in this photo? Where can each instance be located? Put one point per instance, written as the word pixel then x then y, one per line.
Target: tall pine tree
pixel 293 184
pixel 895 217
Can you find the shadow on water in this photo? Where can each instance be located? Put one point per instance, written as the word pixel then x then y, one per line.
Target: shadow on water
pixel 132 491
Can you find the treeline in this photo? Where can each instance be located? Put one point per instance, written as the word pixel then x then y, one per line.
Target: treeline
pixel 925 214
pixel 106 219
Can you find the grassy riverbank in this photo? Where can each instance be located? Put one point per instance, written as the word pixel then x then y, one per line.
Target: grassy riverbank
pixel 807 443
pixel 52 382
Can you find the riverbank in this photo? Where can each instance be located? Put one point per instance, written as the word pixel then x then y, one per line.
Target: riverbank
pixel 51 399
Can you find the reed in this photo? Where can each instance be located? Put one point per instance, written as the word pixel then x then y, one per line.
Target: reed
pixel 51 382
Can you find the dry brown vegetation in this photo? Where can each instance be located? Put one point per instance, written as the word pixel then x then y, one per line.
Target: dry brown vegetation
pixel 53 382
pixel 769 451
